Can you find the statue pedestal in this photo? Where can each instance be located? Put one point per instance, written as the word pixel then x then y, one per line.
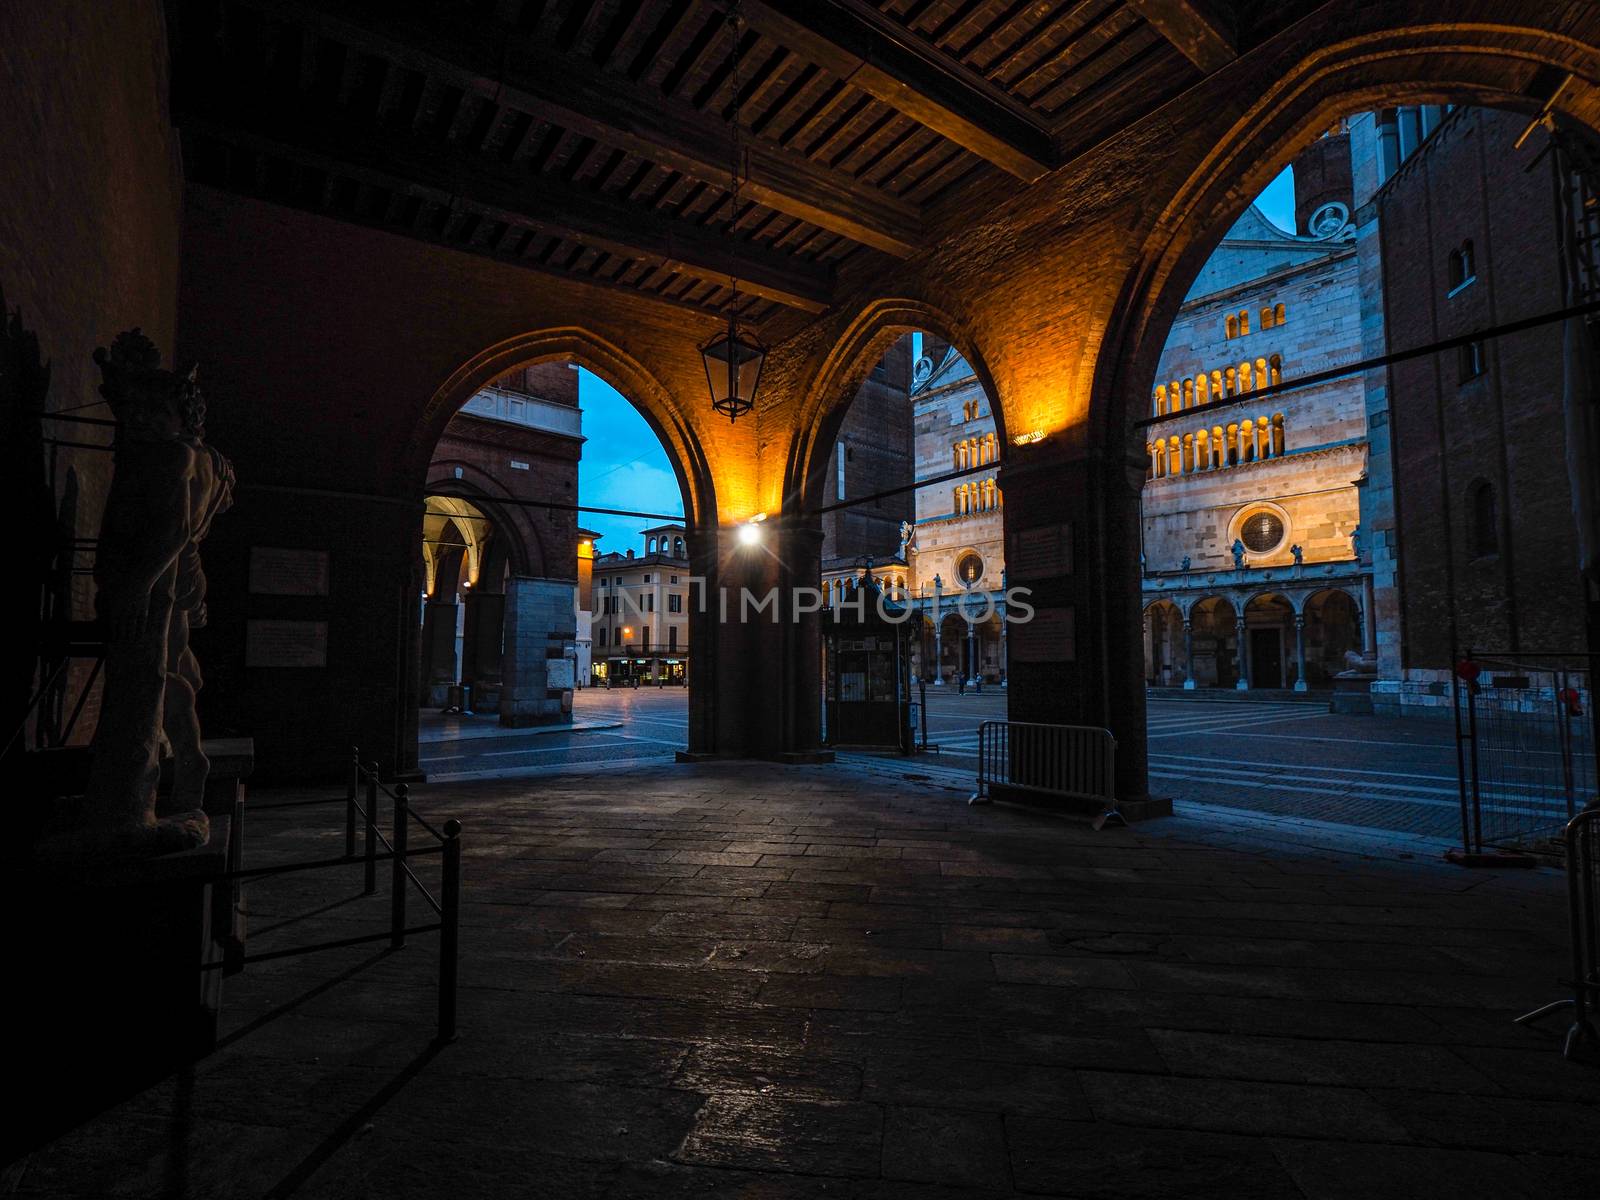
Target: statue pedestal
pixel 109 993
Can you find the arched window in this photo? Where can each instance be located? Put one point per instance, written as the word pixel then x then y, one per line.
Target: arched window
pixel 1275 363
pixel 1485 516
pixel 1216 385
pixel 677 548
pixel 1188 393
pixel 1280 314
pixel 1202 451
pixel 1232 326
pixel 1233 444
pixel 1261 373
pixel 1244 322
pixel 1278 442
pixel 1161 400
pixel 1202 388
pixel 1219 452
pixel 1463 269
pixel 1232 378
pixel 1266 317
pixel 1244 377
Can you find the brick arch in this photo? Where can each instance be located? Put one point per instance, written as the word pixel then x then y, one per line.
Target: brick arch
pixel 524 541
pixel 607 360
pixel 1409 60
pixel 839 374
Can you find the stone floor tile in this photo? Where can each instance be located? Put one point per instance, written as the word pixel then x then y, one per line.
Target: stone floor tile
pixel 1306 1060
pixel 945 1146
pixel 721 1069
pixel 1340 1170
pixel 1134 1162
pixel 759 1133
pixel 1233 1106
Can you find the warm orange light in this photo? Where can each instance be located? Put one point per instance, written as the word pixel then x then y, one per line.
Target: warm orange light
pixel 1027 439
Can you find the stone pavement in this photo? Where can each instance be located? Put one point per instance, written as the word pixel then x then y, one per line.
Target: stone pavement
pixel 741 980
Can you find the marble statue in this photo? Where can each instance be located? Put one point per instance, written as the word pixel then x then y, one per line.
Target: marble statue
pixel 166 487
pixel 1299 554
pixel 1355 541
pixel 1238 555
pixel 908 537
pixel 1186 562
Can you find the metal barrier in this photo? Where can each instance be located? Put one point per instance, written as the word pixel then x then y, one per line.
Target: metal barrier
pixel 1582 840
pixel 1526 748
pixel 447 844
pixel 1076 762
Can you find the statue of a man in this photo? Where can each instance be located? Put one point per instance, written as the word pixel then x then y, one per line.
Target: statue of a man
pixel 1299 554
pixel 165 489
pixel 908 536
pixel 1355 541
pixel 1238 555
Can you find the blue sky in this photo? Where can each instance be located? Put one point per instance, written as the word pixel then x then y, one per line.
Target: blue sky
pixel 624 465
pixel 1277 200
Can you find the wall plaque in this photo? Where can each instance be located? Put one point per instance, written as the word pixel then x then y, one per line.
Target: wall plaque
pixel 1042 552
pixel 1050 637
pixel 285 643
pixel 277 571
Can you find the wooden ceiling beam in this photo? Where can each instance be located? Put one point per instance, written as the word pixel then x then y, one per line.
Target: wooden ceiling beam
pixel 889 62
pixel 443 174
pixel 1199 29
pixel 518 71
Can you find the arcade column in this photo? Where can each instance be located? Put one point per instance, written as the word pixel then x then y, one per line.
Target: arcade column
pixel 1072 541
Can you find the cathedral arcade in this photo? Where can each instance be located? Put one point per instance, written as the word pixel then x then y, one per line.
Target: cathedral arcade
pixel 379 216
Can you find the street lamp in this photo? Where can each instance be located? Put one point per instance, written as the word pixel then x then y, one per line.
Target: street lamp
pixel 733 362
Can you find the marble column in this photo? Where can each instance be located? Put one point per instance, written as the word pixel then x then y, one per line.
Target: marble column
pixel 1188 656
pixel 1300 650
pixel 1241 654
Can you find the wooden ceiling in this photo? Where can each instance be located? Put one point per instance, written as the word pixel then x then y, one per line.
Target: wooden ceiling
pixel 592 138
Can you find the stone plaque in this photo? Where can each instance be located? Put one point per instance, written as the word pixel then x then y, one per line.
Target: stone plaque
pixel 1050 637
pixel 276 571
pixel 1042 552
pixel 286 643
pixel 558 673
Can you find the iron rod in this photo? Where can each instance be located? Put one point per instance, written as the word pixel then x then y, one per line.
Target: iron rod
pixel 450 931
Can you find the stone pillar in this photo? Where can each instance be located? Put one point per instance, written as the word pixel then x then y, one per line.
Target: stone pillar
pixel 974 667
pixel 1241 653
pixel 938 633
pixel 1300 650
pixel 438 650
pixel 1080 660
pixel 1369 626
pixel 1188 656
pixel 534 669
pixel 1005 644
pixel 800 566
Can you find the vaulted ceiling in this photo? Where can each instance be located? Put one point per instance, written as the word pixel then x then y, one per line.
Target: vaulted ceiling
pixel 592 138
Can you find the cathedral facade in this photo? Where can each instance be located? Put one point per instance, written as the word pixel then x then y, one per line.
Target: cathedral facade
pixel 1253 576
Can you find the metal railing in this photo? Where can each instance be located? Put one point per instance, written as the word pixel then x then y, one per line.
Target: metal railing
pixel 1582 840
pixel 1526 748
pixel 1076 762
pixel 363 784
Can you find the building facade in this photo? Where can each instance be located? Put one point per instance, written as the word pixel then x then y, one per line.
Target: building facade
pixel 1252 513
pixel 641 613
pixel 1468 230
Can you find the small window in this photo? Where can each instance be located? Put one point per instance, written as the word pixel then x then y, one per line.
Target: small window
pixel 600 637
pixel 1485 515
pixel 647 578
pixel 1232 326
pixel 1469 361
pixel 675 603
pixel 1463 268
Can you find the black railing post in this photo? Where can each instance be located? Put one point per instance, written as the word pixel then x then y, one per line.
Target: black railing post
pixel 449 930
pixel 397 877
pixel 371 881
pixel 350 790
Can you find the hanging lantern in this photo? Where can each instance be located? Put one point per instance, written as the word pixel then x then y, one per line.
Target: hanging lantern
pixel 733 370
